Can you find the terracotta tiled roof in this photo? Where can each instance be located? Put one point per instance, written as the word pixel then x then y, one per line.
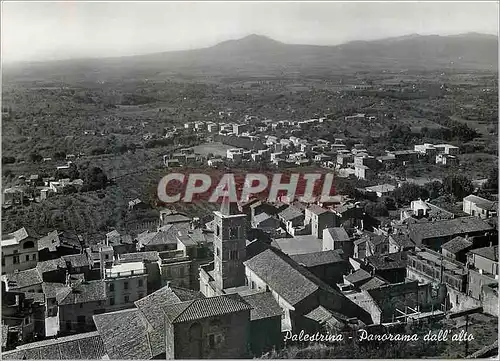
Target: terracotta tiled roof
pixel 457 244
pixel 263 306
pixel 125 334
pixel 278 271
pixel 317 258
pixel 77 347
pixel 22 279
pixel 82 292
pixel 205 308
pixel 487 252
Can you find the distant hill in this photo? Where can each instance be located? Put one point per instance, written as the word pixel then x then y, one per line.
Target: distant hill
pixel 260 55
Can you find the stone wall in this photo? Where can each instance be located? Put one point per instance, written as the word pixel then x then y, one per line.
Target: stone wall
pixel 230 334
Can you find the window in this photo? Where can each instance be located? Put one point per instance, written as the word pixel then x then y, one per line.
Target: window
pixel 34 257
pixel 125 285
pixel 106 256
pixel 3 261
pixel 112 287
pixel 27 258
pixel 217 231
pixel 29 244
pixel 81 305
pixel 126 299
pixel 211 341
pixel 16 260
pixel 217 251
pixel 195 332
pixel 456 299
pixel 234 232
pixel 141 282
pixel 233 254
pixel 111 301
pixel 27 320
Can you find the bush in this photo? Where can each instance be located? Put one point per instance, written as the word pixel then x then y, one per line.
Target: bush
pixel 458 186
pixel 8 160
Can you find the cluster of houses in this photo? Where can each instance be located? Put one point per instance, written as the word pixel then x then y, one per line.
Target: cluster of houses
pixel 251 142
pixel 220 287
pixel 36 189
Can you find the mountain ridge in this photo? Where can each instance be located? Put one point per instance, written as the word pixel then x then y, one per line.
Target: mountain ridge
pixel 260 54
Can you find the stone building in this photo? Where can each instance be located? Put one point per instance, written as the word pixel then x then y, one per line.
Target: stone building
pixel 227 270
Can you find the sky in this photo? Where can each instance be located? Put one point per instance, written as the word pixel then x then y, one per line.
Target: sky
pixel 33 31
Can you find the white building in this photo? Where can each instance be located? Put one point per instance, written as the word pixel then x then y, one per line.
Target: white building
pixel 479 207
pixel 235 154
pixel 19 251
pixel 447 149
pixel 125 283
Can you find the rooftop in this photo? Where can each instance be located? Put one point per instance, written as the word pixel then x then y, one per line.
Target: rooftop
pixel 263 306
pixel 290 213
pixel 338 233
pixel 152 305
pixel 388 261
pixel 77 260
pixel 299 244
pixel 482 202
pixel 75 347
pixel 261 217
pixel 358 276
pixel 490 253
pixel 125 335
pixel 205 308
pixel 82 292
pixel 23 279
pixel 277 271
pixel 457 244
pixel 374 282
pixel 318 258
pixel 449 227
pixel 17 236
pixel 316 209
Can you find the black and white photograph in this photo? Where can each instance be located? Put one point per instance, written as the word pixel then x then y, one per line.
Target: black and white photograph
pixel 249 180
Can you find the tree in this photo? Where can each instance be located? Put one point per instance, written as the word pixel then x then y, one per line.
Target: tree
pixel 35 157
pixel 95 179
pixel 457 185
pixel 434 188
pixel 8 160
pixel 69 189
pixel 59 155
pixel 409 192
pixel 492 182
pixel 376 209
